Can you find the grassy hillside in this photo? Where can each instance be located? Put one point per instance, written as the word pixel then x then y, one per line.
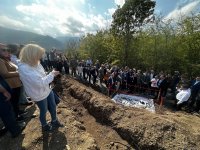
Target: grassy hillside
pixel 11 36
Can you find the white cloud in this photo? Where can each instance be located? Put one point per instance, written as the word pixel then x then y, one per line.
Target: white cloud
pixel 120 2
pixel 82 1
pixel 111 11
pixel 183 11
pixel 11 23
pixel 27 19
pixel 59 17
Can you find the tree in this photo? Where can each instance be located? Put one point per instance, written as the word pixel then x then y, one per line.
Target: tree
pixel 128 19
pixel 97 47
pixel 71 48
pixel 189 35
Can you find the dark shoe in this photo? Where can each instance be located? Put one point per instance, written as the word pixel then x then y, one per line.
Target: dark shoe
pixel 47 128
pixel 20 119
pixel 28 103
pixel 198 112
pixel 56 124
pixel 22 126
pixel 33 115
pixel 23 112
pixel 3 131
pixel 190 111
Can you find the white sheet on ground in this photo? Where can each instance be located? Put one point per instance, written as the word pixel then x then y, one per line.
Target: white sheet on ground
pixel 135 101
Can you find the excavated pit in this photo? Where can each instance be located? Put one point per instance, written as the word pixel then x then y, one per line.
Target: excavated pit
pixel 94 122
pixel 141 129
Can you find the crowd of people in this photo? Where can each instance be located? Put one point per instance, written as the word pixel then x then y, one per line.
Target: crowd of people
pixel 183 90
pixel 27 72
pixel 24 70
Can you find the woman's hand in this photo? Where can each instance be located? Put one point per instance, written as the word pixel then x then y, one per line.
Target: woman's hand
pixel 55 73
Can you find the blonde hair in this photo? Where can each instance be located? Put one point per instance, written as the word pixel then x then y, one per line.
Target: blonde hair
pixel 31 54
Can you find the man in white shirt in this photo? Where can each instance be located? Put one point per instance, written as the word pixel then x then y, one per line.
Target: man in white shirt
pixel 183 96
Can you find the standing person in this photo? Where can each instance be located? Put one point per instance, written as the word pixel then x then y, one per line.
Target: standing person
pixel 9 72
pixel 195 88
pixel 65 64
pixel 80 69
pixel 84 70
pixel 59 65
pixel 23 100
pixel 183 96
pixel 89 62
pixel 93 72
pixel 36 83
pixel 163 86
pixel 6 111
pixel 174 82
pixel 101 74
pixel 73 64
pixel 52 58
pixel 97 65
pixel 154 86
pixel 44 62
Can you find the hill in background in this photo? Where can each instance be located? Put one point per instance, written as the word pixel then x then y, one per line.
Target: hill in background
pixel 11 36
pixel 65 39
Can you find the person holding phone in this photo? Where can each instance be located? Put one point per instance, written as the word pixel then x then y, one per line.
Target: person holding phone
pixel 36 83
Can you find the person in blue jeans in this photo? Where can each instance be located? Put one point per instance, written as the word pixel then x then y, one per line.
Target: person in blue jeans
pixel 36 83
pixel 47 104
pixel 6 110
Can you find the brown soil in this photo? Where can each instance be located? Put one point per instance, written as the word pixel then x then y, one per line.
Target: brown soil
pixel 92 121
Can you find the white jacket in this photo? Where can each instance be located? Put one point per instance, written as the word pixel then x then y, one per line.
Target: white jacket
pixel 35 81
pixel 183 96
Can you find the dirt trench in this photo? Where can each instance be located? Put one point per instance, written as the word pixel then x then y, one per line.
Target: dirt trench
pixel 141 129
pixel 93 122
pixel 104 136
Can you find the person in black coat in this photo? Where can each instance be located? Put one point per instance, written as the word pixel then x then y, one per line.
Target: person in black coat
pixel 93 72
pixel 163 86
pixel 197 108
pixel 6 110
pixel 195 88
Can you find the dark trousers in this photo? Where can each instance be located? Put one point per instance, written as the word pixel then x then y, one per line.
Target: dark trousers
pixel 84 73
pixel 179 106
pixel 74 71
pixel 15 100
pixel 66 69
pixel 94 79
pixel 197 108
pixel 8 117
pixel 192 100
pixel 89 77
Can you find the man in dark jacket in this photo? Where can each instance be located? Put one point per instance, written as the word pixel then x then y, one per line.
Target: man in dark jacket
pixel 163 86
pixel 197 108
pixel 6 111
pixel 195 88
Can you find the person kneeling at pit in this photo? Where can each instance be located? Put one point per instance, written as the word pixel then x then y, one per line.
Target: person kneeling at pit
pixel 183 96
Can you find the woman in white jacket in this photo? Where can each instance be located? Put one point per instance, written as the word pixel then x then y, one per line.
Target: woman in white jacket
pixel 36 83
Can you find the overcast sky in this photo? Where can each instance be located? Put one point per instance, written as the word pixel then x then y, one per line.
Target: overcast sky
pixel 76 17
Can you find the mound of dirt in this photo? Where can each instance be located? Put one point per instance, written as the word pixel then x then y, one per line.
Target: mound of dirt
pixel 92 122
pixel 141 129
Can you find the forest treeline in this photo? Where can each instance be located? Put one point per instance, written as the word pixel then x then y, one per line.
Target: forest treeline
pixel 140 39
